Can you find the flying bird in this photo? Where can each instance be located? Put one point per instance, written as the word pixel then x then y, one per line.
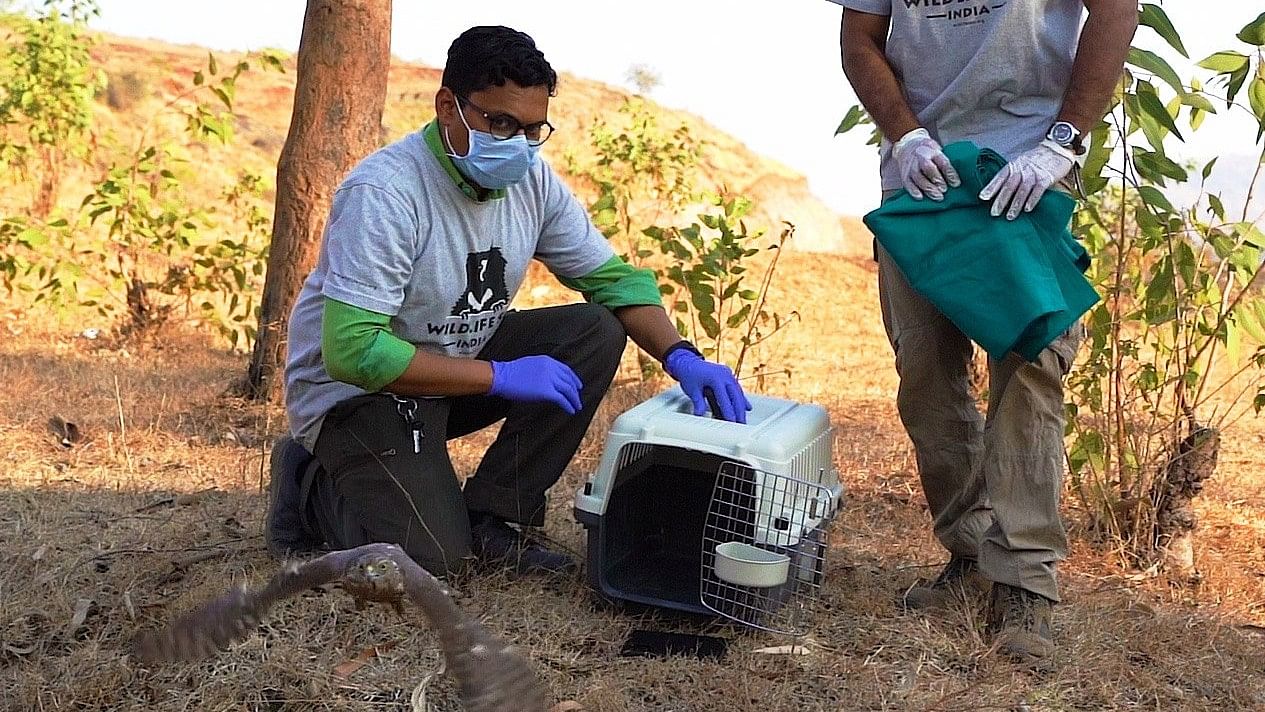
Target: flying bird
pixel 491 675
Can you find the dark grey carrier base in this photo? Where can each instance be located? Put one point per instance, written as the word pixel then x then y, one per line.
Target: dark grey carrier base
pixel 648 546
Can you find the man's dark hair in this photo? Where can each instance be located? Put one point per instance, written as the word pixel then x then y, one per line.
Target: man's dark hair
pixel 487 56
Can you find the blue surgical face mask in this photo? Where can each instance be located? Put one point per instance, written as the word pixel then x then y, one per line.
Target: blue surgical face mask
pixel 491 162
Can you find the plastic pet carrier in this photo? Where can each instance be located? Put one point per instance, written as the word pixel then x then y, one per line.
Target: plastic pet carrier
pixel 706 516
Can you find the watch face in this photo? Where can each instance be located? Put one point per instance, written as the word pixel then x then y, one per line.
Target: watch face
pixel 1062 133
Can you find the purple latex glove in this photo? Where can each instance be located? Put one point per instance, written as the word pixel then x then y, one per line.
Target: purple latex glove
pixel 697 376
pixel 537 379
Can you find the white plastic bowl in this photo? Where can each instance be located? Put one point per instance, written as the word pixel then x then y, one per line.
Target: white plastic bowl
pixel 746 565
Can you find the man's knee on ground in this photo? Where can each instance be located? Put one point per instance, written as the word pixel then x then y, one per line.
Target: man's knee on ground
pixel 448 565
pixel 446 570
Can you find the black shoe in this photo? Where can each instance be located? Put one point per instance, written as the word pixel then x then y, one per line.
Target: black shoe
pixel 960 580
pixel 284 534
pixel 494 541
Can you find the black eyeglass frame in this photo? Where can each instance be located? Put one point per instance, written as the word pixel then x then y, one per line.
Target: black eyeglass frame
pixel 519 127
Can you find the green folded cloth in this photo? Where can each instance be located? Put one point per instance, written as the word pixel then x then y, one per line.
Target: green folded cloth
pixel 1008 285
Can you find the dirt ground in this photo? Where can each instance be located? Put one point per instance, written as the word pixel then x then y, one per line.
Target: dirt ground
pixel 161 506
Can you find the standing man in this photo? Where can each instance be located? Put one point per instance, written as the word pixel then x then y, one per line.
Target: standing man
pixel 1023 78
pixel 403 338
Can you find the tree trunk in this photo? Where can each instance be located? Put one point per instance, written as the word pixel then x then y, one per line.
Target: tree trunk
pixel 50 179
pixel 341 83
pixel 1180 481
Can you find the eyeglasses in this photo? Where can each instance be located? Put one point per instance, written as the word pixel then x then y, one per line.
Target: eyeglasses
pixel 505 127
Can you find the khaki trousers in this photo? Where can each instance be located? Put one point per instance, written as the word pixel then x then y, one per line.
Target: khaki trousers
pixel 993 483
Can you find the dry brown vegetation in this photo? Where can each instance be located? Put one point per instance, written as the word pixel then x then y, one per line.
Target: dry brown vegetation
pixel 161 506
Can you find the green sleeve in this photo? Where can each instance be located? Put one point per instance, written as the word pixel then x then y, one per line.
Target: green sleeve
pixel 617 284
pixel 358 347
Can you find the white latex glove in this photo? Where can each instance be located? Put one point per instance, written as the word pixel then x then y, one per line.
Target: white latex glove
pixel 924 168
pixel 1022 182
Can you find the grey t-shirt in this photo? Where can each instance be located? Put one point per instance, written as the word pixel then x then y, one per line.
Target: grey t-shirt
pixel 403 239
pixel 988 71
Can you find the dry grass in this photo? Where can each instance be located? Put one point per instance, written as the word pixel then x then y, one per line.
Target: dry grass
pixel 105 522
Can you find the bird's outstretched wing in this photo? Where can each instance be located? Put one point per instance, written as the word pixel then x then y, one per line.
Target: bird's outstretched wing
pixel 235 615
pixel 492 676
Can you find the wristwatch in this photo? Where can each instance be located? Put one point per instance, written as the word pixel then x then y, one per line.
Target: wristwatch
pixel 1066 135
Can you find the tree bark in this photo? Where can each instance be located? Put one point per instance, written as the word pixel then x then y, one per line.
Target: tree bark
pixel 1174 491
pixel 340 89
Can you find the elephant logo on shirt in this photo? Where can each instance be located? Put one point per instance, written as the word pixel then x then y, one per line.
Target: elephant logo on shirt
pixel 485 284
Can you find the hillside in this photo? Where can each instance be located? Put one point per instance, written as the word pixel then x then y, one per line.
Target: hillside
pixel 263 105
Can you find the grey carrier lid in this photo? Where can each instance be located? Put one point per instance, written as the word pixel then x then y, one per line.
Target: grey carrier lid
pixel 780 436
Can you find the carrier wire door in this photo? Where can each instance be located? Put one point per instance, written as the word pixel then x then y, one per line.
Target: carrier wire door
pixel 769 529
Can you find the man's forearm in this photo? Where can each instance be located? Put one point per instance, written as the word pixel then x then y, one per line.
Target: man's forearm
pixel 649 327
pixel 1100 55
pixel 430 374
pixel 862 39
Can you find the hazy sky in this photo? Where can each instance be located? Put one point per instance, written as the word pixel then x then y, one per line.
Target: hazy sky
pixel 767 72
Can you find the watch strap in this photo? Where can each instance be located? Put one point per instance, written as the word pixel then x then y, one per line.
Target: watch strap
pixel 682 344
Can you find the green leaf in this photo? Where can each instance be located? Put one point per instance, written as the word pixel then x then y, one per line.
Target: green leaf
pixel 1233 341
pixel 1158 299
pixel 1197 118
pixel 1250 234
pixel 1155 18
pixel 1097 159
pixel 1151 226
pixel 1153 197
pixel 224 97
pixel 1224 62
pixel 1207 172
pixel 1150 127
pixel 1235 84
pixel 1245 259
pixel 1256 97
pixel 1187 264
pixel 272 60
pixel 1247 318
pixel 198 78
pixel 1157 164
pixel 1156 65
pixel 1198 101
pixel 1215 205
pixel 711 327
pixel 1149 102
pixel 606 201
pixel 211 66
pixel 1253 32
pixel 851 119
pixel 32 238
